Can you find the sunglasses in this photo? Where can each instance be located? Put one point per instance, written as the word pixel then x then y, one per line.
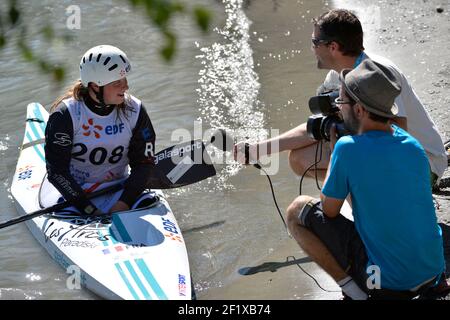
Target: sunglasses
pixel 316 42
pixel 339 101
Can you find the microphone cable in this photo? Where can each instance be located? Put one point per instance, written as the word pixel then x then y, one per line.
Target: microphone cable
pixel 316 161
pixel 258 166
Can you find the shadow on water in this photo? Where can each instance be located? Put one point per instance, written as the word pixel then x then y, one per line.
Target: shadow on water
pixel 204 227
pixel 273 266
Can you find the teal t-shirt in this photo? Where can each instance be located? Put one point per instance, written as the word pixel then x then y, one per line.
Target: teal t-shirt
pixel 388 177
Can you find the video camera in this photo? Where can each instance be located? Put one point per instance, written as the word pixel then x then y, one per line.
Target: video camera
pixel 325 114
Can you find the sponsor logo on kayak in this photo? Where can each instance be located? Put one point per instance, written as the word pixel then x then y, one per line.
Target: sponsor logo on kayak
pixel 182 285
pixel 34 186
pixel 78 244
pixel 24 173
pixel 74 232
pixel 121 248
pixel 173 237
pixel 171 227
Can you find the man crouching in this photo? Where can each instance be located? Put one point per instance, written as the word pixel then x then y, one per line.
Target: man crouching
pixel 385 173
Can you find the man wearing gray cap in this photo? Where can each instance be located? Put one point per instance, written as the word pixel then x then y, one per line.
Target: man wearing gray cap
pixel 395 243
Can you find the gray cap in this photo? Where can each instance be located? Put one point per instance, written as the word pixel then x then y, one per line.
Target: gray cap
pixel 374 86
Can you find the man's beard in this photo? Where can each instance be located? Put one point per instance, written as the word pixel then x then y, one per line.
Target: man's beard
pixel 351 123
pixel 320 64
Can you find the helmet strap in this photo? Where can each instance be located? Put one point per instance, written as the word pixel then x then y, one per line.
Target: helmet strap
pixel 100 97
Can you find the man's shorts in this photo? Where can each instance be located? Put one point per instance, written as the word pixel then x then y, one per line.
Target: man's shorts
pixel 340 237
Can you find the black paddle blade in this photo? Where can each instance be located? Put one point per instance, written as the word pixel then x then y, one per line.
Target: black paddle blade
pixel 181 165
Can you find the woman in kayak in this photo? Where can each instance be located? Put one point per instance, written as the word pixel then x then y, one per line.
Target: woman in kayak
pixel 96 130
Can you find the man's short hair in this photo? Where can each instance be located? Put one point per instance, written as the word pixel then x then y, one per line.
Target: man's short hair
pixel 377 118
pixel 343 27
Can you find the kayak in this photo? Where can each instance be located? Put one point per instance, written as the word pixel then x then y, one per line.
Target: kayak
pixel 139 254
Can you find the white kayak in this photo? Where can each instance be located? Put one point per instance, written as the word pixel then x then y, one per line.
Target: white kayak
pixel 135 255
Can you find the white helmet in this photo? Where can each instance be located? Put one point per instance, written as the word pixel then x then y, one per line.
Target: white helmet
pixel 103 64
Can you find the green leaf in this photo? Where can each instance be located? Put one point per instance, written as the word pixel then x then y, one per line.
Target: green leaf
pixel 161 15
pixel 134 3
pixel 168 51
pixel 59 73
pixel 48 32
pixel 177 7
pixel 44 66
pixel 26 51
pixel 203 18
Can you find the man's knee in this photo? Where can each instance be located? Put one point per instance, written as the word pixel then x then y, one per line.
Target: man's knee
pixel 302 158
pixel 294 210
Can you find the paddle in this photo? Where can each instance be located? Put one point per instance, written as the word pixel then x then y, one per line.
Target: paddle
pixel 176 166
pixel 59 206
pixel 187 163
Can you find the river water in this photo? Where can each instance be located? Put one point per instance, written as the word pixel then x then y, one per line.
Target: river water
pixel 252 74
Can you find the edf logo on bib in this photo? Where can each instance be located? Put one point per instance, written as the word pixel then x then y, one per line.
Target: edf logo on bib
pixel 96 130
pixel 114 129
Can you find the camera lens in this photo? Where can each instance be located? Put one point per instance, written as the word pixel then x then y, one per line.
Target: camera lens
pixel 318 127
pixel 325 114
pixel 313 126
pixel 328 122
pixel 323 103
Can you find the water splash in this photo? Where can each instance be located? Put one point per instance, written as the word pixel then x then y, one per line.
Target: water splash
pixel 19 294
pixel 4 171
pixel 4 143
pixel 33 277
pixel 229 86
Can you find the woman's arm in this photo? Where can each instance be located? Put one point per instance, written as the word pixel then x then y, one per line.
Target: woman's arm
pixel 58 153
pixel 140 154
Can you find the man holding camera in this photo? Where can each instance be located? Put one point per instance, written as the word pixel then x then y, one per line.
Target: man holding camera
pixel 395 243
pixel 337 43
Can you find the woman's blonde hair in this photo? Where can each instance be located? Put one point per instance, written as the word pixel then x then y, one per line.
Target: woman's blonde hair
pixel 76 91
pixel 79 92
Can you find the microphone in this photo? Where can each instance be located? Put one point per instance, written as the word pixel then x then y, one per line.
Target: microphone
pixel 222 140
